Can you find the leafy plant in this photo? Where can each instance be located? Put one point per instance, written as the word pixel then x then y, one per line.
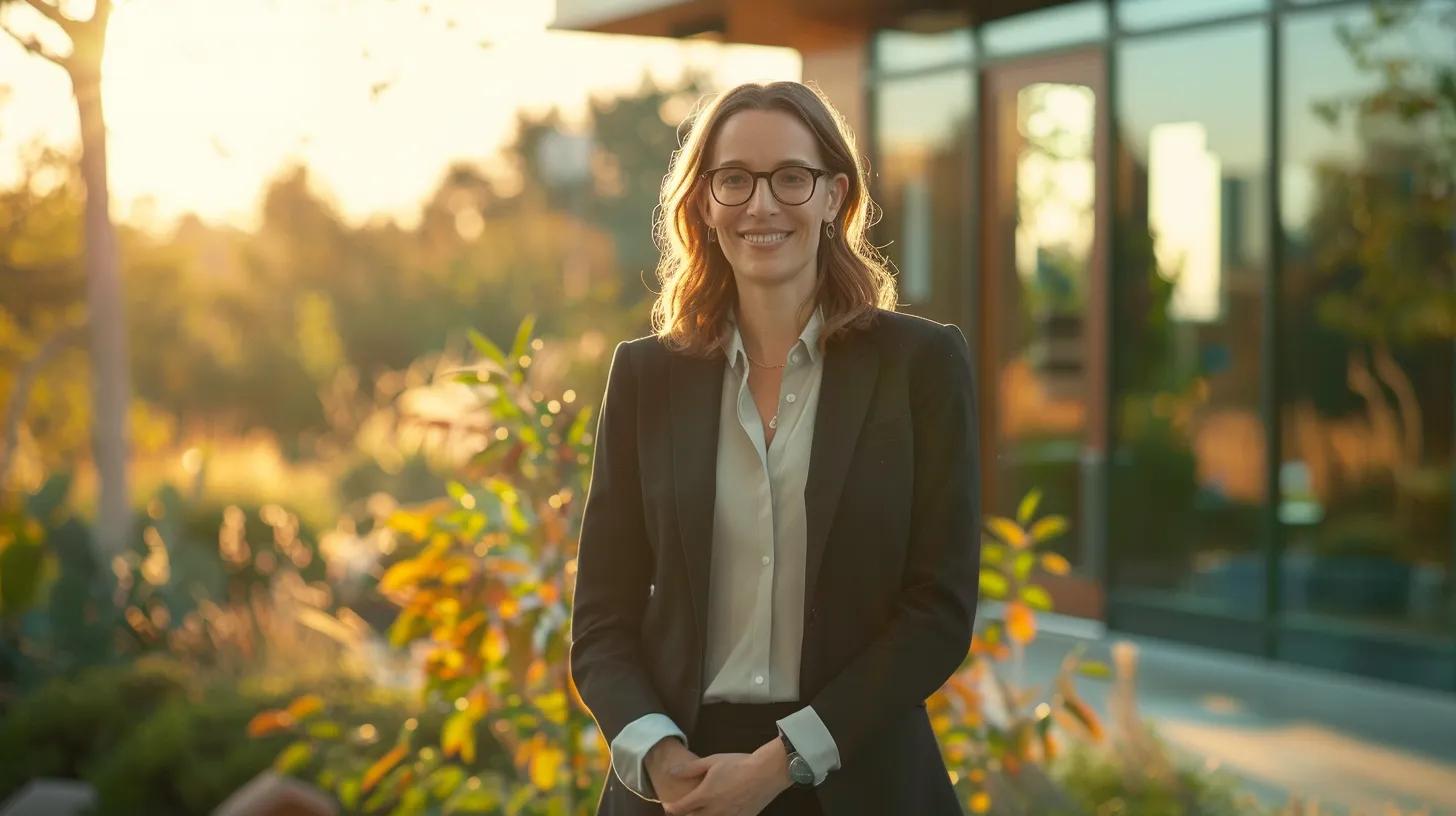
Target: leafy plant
pixel 482 582
pixel 997 736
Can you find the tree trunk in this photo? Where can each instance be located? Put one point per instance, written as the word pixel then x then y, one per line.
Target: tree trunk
pixel 110 360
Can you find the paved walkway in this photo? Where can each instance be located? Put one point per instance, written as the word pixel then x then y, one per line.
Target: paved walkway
pixel 1362 744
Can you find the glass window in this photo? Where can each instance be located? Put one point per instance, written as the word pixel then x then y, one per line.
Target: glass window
pixel 900 51
pixel 1083 21
pixel 923 133
pixel 1140 15
pixel 1188 473
pixel 1366 344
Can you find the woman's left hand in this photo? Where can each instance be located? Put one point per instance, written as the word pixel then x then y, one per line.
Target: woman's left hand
pixel 733 785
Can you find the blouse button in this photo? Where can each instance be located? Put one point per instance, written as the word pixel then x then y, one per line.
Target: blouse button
pixel 758 680
pixel 790 398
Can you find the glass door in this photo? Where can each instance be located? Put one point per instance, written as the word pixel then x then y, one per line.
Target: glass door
pixel 1043 303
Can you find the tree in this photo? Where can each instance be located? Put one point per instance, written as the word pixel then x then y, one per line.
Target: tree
pixel 111 381
pixel 1382 237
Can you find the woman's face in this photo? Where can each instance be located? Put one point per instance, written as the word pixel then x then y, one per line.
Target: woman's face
pixel 766 241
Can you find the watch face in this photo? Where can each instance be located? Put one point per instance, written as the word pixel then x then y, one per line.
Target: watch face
pixel 799 770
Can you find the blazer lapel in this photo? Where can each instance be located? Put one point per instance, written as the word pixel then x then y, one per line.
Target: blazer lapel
pixel 851 366
pixel 695 394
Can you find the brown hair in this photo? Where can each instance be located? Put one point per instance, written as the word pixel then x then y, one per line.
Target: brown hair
pixel 697 283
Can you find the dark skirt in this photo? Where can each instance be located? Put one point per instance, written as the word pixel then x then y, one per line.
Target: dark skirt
pixel 743 728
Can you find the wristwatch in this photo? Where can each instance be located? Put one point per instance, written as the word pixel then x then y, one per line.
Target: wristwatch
pixel 799 771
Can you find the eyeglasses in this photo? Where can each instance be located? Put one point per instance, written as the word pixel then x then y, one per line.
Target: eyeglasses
pixel 791 184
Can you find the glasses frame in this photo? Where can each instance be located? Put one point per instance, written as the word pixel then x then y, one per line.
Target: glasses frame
pixel 815 172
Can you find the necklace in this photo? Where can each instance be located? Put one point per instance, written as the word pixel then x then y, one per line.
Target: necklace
pixel 763 365
pixel 773 422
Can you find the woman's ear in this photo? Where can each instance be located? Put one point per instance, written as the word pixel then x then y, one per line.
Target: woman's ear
pixel 700 206
pixel 838 190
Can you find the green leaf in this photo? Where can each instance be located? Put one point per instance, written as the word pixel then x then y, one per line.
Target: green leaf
pixel 293 758
pixel 1094 668
pixel 993 584
pixel 523 338
pixel 993 552
pixel 1025 560
pixel 1027 509
pixel 488 348
pixel 349 793
pixel 325 730
pixel 1036 597
pixel 445 781
pixel 467 378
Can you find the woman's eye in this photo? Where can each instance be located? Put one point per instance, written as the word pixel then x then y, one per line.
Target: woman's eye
pixel 733 179
pixel 794 177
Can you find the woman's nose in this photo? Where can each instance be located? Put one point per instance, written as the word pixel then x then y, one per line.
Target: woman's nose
pixel 762 202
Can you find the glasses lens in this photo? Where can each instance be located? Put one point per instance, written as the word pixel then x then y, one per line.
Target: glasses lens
pixel 732 186
pixel 792 185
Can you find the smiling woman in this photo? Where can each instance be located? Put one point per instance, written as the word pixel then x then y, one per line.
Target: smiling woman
pixel 779 547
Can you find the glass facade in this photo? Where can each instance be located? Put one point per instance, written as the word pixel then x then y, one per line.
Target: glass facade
pixel 1208 256
pixel 1366 427
pixel 1190 280
pixel 922 130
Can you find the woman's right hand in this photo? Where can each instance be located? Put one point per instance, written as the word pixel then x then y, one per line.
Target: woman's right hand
pixel 667 754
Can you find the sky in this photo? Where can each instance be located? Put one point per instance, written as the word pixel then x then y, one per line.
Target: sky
pixel 208 100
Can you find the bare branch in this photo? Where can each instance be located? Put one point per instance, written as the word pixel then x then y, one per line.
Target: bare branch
pixel 33 46
pixel 54 14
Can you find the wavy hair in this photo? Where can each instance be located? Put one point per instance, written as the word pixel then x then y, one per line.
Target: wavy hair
pixel 853 279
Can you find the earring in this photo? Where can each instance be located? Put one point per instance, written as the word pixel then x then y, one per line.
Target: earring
pixel 829 230
pixel 712 235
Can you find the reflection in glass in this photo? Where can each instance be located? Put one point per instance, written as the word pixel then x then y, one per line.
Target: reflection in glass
pixel 1366 484
pixel 922 126
pixel 1039 301
pixel 1140 15
pixel 1188 485
pixel 910 50
pixel 1082 21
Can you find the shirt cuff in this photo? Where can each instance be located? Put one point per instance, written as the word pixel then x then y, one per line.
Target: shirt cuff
pixel 811 738
pixel 629 750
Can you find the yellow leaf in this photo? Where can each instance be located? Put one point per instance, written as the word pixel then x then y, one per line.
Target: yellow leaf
pixel 1048 528
pixel 382 766
pixel 457 737
pixel 457 571
pixel 405 574
pixel 268 722
pixel 304 706
pixel 1020 622
pixel 495 645
pixel 545 763
pixel 1055 564
pixel 1027 509
pixel 1007 531
pixel 980 802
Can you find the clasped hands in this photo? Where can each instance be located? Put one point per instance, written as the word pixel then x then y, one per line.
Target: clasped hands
pixel 717 785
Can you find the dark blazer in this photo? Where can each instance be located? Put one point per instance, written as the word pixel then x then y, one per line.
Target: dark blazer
pixel 893 554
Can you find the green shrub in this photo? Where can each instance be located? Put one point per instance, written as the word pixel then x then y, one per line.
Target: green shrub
pixel 65 727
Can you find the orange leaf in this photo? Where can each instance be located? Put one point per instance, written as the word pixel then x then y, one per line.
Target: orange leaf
pixel 1008 531
pixel 1020 622
pixel 305 705
pixel 1055 564
pixel 267 722
pixel 382 766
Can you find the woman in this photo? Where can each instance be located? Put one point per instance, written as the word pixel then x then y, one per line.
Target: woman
pixel 779 552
